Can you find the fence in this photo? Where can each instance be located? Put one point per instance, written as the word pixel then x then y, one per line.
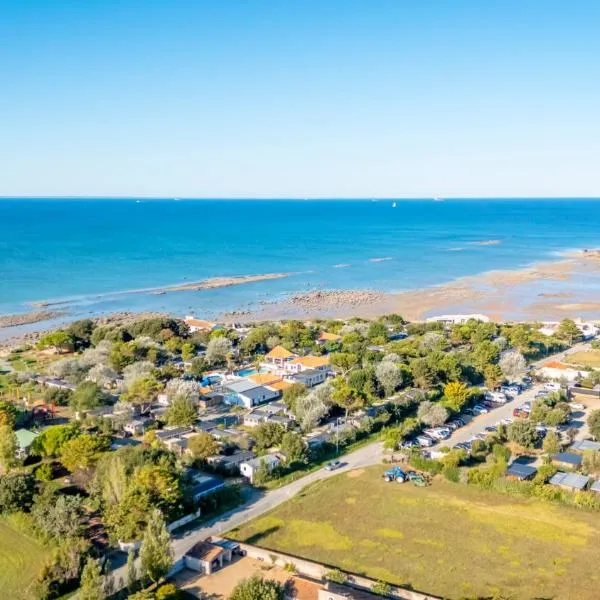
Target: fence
pixel 318 571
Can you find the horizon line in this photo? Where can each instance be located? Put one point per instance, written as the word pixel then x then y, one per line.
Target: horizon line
pixel 293 198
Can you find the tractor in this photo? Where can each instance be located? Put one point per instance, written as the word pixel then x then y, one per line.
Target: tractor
pixel 395 474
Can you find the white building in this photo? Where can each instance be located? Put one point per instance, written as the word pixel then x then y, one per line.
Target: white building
pixel 556 370
pixel 248 469
pixel 588 330
pixel 457 319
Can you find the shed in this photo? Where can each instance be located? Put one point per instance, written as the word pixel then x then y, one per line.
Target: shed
pixel 595 487
pixel 585 446
pixel 520 471
pixel 206 557
pixel 567 460
pixel 570 481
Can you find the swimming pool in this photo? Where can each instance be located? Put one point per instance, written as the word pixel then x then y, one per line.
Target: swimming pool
pixel 250 371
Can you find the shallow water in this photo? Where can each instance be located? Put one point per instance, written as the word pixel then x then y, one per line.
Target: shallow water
pixel 90 251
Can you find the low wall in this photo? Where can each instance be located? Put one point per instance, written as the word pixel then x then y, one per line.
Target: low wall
pixel 183 521
pixel 318 571
pixel 127 546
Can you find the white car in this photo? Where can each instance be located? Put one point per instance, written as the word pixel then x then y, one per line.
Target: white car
pixel 552 387
pixel 439 433
pixel 424 441
pixel 497 397
pixel 576 406
pixel 479 409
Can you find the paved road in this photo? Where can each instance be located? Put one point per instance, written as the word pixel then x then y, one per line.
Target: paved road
pixel 259 504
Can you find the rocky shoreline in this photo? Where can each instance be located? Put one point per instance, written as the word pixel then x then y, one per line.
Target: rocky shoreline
pixel 335 299
pixel 30 317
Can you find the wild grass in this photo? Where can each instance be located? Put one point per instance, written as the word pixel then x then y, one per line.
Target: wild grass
pixel 21 558
pixel 448 539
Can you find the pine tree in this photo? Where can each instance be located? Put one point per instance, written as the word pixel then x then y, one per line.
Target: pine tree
pixel 91 587
pixel 156 553
pixel 132 573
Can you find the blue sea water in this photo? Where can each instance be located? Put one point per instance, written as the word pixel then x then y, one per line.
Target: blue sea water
pixel 89 250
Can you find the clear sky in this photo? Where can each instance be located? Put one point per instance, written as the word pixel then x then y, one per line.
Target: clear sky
pixel 300 98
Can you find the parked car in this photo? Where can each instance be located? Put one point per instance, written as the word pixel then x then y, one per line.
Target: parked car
pixel 439 433
pixel 497 397
pixel 425 441
pixel 409 444
pixel 552 387
pixel 576 406
pixel 333 465
pixel 479 409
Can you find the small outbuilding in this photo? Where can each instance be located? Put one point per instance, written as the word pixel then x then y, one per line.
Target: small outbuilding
pixel 520 472
pixel 585 446
pixel 570 481
pixel 567 460
pixel 207 557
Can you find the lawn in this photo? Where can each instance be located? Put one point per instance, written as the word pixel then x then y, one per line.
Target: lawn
pixel 450 540
pixel 21 559
pixel 587 358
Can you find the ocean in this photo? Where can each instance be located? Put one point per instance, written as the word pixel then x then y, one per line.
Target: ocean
pixel 87 252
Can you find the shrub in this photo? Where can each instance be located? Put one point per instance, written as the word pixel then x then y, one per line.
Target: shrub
pixel 336 576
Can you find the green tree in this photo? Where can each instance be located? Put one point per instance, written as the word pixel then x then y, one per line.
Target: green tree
pixel 257 588
pixel 493 376
pixel 8 413
pixel 91 584
pixel 156 553
pixel 87 396
pixel 267 435
pixel 457 394
pixel 423 375
pixel 524 433
pixel 57 516
pixel 182 411
pixel 568 331
pixel 168 591
pixel 343 362
pixel 593 422
pixel 377 333
pixel 132 573
pixel 346 397
pixel 551 444
pixel 202 445
pixel 16 492
pixel 291 395
pixel 81 332
pixel 51 441
pixel 60 340
pixel 188 351
pixel 389 376
pixel 293 446
pixel 144 389
pixel 485 353
pixel 83 452
pixel 8 447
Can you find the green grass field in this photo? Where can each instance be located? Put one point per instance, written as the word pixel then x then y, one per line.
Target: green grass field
pixel 588 358
pixel 21 559
pixel 448 539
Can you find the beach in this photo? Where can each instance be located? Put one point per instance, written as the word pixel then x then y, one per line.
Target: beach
pixel 242 260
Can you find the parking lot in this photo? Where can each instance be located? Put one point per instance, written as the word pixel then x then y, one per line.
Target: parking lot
pixel 503 413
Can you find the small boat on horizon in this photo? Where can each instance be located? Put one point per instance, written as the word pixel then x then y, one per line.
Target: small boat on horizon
pixel 394 205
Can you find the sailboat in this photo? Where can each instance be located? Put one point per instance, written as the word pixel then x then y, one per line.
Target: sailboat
pixel 394 205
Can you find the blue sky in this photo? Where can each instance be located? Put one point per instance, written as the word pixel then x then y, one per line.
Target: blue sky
pixel 327 98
